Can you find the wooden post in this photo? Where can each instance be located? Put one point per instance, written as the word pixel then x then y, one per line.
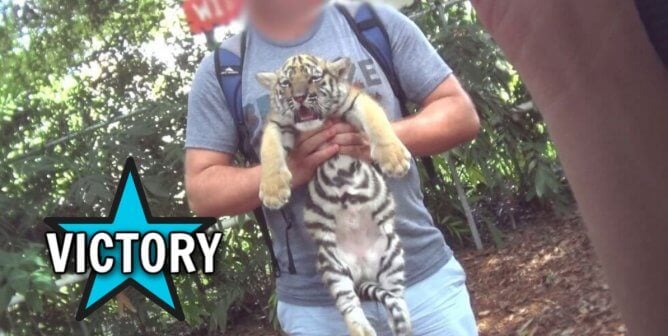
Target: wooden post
pixel 465 204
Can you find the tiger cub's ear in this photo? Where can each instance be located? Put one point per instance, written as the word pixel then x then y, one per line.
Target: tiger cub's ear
pixel 340 67
pixel 267 79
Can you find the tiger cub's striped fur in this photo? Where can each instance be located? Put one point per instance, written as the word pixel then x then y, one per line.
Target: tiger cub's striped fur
pixel 349 211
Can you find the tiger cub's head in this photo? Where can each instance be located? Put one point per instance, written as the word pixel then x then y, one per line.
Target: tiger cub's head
pixel 306 90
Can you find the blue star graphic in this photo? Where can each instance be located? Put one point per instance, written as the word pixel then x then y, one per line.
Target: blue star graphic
pixel 129 214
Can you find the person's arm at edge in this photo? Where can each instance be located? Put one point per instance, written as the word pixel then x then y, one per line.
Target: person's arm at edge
pixel 602 90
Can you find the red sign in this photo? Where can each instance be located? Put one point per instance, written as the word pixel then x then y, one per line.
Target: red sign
pixel 204 15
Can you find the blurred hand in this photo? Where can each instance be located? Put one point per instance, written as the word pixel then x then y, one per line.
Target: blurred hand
pixel 311 150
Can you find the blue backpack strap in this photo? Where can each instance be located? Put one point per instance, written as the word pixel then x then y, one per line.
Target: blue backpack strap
pixel 371 33
pixel 229 71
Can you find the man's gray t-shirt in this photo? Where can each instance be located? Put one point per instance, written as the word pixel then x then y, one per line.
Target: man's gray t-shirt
pixel 420 70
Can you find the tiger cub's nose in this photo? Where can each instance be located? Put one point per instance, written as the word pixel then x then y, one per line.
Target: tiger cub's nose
pixel 299 99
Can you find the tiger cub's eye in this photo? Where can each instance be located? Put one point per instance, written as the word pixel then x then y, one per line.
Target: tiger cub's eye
pixel 284 83
pixel 316 78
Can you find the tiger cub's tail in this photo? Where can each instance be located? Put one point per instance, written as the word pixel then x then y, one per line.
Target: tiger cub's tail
pixel 396 307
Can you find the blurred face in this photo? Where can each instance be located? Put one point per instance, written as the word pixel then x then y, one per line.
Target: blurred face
pixel 281 9
pixel 306 89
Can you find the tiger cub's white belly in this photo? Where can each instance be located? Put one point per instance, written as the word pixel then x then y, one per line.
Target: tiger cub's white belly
pixel 360 241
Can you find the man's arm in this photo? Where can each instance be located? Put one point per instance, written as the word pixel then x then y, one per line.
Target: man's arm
pixel 215 187
pixel 447 119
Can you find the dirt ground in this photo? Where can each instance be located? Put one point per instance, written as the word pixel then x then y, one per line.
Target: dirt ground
pixel 545 281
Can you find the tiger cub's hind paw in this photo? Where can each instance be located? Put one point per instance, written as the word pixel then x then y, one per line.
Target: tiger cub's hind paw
pixel 360 330
pixel 394 159
pixel 275 189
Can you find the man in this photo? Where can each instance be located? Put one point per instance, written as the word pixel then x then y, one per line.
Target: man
pixel 436 293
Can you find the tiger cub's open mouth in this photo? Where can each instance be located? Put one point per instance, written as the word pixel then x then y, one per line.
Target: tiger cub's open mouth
pixel 305 114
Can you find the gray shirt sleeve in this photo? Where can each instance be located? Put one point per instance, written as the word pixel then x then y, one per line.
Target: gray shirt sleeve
pixel 419 67
pixel 210 124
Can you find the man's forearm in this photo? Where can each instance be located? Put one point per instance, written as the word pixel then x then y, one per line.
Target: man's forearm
pixel 224 190
pixel 440 126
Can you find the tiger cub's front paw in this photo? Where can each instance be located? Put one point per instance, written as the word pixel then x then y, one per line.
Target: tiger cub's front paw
pixel 275 188
pixel 393 158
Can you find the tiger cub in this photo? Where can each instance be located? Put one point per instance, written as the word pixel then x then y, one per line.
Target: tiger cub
pixel 349 210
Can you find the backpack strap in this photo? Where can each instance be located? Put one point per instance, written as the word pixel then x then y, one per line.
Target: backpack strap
pixel 371 33
pixel 264 229
pixel 229 71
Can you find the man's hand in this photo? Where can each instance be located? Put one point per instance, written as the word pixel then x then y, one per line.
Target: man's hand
pixel 351 141
pixel 311 150
pixel 314 148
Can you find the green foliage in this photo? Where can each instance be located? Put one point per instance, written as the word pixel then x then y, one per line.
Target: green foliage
pixel 512 165
pixel 78 94
pixel 80 91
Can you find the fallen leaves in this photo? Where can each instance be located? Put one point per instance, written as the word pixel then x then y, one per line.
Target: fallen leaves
pixel 546 281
